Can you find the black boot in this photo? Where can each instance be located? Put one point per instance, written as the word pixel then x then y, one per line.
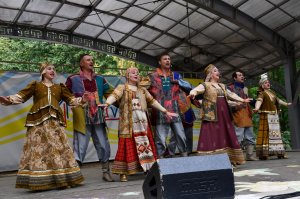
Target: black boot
pixel 79 163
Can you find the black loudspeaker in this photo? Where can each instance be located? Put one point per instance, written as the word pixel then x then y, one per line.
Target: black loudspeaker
pixel 200 177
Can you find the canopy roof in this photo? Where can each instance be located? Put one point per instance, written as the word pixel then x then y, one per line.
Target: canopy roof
pixel 250 35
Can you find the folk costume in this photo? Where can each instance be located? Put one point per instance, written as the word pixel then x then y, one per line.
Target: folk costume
pixel 166 91
pixel 242 119
pixel 47 160
pixel 136 148
pixel 89 121
pixel 187 115
pixel 269 141
pixel 217 133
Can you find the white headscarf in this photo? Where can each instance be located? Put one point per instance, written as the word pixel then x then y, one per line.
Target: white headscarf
pixel 263 78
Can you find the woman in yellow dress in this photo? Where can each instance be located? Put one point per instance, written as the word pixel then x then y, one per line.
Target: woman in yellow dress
pixel 269 141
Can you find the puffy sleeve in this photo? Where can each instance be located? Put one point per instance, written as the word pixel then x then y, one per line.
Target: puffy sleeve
pixel 159 107
pixel 260 96
pixel 24 94
pixel 145 82
pixel 149 98
pixel 259 100
pixel 198 90
pixel 116 94
pixel 258 104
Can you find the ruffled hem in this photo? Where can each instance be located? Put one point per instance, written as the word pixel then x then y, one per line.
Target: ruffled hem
pixel 43 115
pixel 38 107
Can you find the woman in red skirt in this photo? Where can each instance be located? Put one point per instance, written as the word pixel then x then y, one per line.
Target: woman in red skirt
pixel 136 148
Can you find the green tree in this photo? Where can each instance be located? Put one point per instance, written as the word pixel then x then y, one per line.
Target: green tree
pixel 26 55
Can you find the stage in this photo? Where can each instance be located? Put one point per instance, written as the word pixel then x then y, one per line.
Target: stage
pixel 253 180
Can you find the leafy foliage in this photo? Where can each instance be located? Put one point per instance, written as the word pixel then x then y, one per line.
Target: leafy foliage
pixel 26 55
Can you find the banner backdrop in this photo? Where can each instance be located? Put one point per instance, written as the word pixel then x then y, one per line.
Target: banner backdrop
pixel 12 119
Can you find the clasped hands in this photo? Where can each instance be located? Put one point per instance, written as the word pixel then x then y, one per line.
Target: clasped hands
pixel 4 100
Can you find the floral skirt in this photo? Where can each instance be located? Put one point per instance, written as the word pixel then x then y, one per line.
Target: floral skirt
pixel 219 137
pixel 47 160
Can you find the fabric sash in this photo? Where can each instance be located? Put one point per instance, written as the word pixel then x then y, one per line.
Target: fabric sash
pixel 140 127
pixel 275 141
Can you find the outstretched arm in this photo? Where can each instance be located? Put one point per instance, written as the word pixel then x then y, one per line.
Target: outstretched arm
pixel 281 102
pixel 154 103
pixel 12 99
pixel 257 106
pixel 116 95
pixel 237 98
pixel 198 90
pixel 157 105
pixel 68 97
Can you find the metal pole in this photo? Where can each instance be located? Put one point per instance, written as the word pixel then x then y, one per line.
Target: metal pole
pixel 290 76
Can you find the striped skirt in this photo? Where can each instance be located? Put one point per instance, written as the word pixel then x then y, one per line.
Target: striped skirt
pixel 135 154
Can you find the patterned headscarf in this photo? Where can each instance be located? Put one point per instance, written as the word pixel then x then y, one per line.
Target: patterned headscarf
pixel 208 71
